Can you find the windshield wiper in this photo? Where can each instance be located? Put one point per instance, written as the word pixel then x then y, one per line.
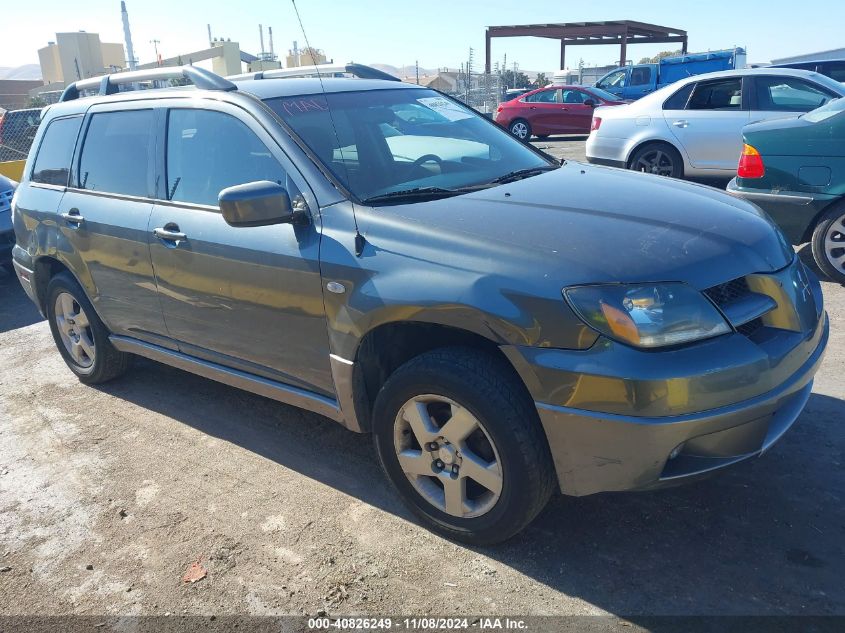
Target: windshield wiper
pixel 519 174
pixel 415 194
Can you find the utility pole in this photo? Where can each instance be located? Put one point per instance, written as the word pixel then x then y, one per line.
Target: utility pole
pixel 417 64
pixel 155 44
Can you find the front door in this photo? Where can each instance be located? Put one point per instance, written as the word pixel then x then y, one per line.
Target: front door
pixel 577 116
pixel 104 216
pixel 710 128
pixel 248 297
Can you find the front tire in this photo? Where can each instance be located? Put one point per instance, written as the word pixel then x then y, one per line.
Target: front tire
pixel 828 243
pixel 521 129
pixel 80 336
pixel 658 158
pixel 460 441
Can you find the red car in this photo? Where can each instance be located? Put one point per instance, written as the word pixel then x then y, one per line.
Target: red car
pixel 553 110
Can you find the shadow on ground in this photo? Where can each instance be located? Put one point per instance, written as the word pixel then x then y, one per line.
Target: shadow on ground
pixel 16 310
pixel 764 538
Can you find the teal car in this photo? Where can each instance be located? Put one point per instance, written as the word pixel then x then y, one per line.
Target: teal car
pixel 794 169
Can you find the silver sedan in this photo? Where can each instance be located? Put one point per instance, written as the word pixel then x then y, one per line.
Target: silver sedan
pixel 694 126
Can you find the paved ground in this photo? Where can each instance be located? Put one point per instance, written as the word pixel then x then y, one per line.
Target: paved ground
pixel 108 494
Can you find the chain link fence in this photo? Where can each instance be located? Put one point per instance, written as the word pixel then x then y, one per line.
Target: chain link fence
pixel 17 130
pixel 481 91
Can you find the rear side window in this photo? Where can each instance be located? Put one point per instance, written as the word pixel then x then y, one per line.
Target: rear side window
pixel 116 153
pixel 52 164
pixel 678 101
pixel 209 151
pixel 835 70
pixel 786 94
pixel 725 94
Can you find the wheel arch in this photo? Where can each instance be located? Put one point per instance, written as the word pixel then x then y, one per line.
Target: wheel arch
pixel 386 347
pixel 639 144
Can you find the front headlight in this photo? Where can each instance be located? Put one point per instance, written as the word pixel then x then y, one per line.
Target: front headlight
pixel 647 315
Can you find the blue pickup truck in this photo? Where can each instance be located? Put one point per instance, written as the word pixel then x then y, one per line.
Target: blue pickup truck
pixel 633 82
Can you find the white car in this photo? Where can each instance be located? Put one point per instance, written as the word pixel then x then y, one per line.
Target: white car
pixel 694 126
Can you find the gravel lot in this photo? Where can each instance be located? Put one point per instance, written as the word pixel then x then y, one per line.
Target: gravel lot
pixel 108 494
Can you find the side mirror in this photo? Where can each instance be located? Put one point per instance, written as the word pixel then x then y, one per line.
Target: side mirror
pixel 590 102
pixel 259 203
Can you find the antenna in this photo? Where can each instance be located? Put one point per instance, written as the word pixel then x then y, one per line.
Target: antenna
pixel 359 239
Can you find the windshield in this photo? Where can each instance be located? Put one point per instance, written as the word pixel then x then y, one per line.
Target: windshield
pixel 832 108
pixel 394 141
pixel 601 94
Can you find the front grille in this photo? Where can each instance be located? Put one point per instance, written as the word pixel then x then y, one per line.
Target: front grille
pixel 724 293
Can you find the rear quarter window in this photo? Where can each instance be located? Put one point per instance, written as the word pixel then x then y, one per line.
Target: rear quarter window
pixel 52 163
pixel 116 153
pixel 678 101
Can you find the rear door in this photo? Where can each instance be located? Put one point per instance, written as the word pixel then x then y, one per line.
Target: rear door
pixel 104 216
pixel 778 96
pixel 249 298
pixel 709 128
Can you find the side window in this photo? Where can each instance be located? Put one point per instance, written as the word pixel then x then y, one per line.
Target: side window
pixel 208 151
pixel 545 96
pixel 52 164
pixel 116 153
pixel 678 101
pixel 725 94
pixel 613 80
pixel 787 94
pixel 835 70
pixel 573 96
pixel 640 76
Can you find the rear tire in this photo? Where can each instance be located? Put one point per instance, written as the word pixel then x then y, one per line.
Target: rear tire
pixel 658 158
pixel 828 243
pixel 485 477
pixel 521 129
pixel 80 336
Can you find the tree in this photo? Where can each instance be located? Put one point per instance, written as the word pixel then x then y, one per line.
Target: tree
pixel 515 80
pixel 661 55
pixel 36 102
pixel 542 81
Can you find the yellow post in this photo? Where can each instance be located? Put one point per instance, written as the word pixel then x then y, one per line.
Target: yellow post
pixel 12 169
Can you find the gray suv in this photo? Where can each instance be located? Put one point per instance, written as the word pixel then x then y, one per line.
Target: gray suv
pixel 505 326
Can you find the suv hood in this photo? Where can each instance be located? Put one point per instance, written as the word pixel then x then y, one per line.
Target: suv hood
pixel 584 224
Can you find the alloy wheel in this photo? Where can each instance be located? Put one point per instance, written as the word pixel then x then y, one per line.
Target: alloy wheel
pixel 519 130
pixel 74 330
pixel 655 161
pixel 834 244
pixel 448 456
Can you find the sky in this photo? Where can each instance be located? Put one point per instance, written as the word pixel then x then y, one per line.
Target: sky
pixel 435 33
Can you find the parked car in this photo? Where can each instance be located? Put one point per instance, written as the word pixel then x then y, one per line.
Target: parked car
pixel 632 82
pixel 694 127
pixel 499 338
pixel 552 110
pixel 795 170
pixel 17 129
pixel 833 68
pixel 7 233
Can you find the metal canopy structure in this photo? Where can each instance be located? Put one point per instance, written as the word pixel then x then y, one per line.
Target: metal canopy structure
pixel 620 32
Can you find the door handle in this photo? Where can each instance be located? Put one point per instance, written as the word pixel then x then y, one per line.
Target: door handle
pixel 170 233
pixel 72 217
pixel 564 108
pixel 681 124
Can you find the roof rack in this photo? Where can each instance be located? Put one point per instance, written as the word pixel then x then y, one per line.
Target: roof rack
pixel 108 84
pixel 358 70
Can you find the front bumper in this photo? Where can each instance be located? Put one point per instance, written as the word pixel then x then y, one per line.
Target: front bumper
pixel 794 212
pixel 613 415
